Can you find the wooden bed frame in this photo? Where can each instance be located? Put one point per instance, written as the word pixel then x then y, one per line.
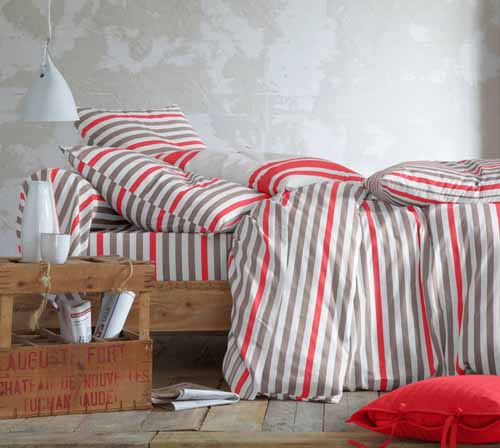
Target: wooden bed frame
pixel 180 306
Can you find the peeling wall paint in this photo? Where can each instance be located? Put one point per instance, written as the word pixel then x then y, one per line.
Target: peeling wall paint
pixel 367 83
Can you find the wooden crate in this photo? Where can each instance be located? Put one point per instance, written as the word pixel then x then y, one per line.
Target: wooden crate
pixel 40 374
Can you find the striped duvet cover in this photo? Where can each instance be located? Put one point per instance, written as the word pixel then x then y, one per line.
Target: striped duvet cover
pixel 334 289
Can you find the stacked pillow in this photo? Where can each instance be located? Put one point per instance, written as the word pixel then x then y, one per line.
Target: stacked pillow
pixel 151 167
pixel 167 135
pixel 264 172
pixel 424 183
pixel 148 131
pixel 159 197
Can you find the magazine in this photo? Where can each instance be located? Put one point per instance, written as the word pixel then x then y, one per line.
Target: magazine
pixel 190 396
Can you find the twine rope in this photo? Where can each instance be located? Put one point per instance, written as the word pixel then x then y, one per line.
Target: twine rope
pixel 45 281
pixel 129 275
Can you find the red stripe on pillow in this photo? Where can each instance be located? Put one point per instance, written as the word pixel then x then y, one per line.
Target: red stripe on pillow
pixel 424 180
pixel 159 219
pixel 89 200
pixel 119 200
pixel 188 158
pixel 99 156
pixel 264 181
pixel 183 193
pixel 163 142
pixel 256 173
pixel 143 176
pixel 99 120
pixel 174 157
pixel 410 196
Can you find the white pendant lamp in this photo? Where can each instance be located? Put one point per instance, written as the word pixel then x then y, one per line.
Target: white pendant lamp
pixel 49 98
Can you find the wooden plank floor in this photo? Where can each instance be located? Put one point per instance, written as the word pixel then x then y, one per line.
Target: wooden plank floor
pixel 198 359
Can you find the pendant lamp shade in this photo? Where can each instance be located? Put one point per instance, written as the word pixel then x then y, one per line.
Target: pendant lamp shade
pixel 49 98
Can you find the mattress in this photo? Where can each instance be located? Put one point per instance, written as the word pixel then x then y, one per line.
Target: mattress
pixel 177 256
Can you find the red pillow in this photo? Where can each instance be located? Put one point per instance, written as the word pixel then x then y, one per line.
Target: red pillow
pixel 450 409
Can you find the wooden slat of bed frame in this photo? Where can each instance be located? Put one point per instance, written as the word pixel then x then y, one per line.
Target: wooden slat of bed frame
pixel 175 306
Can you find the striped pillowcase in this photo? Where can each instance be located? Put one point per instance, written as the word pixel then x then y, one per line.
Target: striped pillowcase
pixel 290 174
pixel 266 173
pixel 148 131
pixel 80 208
pixel 424 183
pixel 159 197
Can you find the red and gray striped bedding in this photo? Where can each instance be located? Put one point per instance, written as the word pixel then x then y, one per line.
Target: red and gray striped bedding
pixel 97 230
pixel 150 131
pixel 264 172
pixel 424 183
pixel 176 256
pixel 333 289
pixel 80 207
pixel 159 197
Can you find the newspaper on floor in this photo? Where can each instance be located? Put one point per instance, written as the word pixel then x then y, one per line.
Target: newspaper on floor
pixel 189 396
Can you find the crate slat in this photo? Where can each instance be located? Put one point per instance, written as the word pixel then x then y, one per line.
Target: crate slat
pixel 75 275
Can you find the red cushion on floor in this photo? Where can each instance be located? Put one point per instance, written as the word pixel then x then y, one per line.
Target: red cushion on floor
pixel 453 409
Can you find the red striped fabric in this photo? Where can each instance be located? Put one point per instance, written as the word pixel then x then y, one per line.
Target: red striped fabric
pixel 423 183
pixel 292 173
pixel 325 258
pixel 148 131
pixel 159 197
pixel 404 293
pixel 176 256
pixel 266 177
pixel 80 207
pixel 423 306
pixel 377 296
pixel 289 329
pixel 332 288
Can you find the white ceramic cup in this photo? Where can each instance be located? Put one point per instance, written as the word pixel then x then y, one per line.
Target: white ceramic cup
pixel 54 247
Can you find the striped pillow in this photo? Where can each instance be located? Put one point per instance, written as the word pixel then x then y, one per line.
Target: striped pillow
pixel 148 131
pixel 424 183
pixel 264 172
pixel 159 197
pixel 291 173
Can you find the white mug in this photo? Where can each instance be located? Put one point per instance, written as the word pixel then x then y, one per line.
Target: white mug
pixel 55 247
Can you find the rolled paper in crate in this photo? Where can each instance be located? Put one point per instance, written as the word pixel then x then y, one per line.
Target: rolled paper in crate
pixel 115 308
pixel 75 321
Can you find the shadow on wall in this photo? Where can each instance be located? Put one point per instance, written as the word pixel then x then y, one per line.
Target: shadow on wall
pixel 489 72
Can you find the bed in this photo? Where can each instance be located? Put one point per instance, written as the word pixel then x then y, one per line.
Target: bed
pixel 325 280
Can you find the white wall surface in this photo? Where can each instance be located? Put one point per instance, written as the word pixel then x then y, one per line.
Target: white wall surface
pixel 367 83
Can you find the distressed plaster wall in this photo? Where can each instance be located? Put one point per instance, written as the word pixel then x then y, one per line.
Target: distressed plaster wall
pixel 364 82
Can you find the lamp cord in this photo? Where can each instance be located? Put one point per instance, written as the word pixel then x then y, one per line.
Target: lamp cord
pixel 49 37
